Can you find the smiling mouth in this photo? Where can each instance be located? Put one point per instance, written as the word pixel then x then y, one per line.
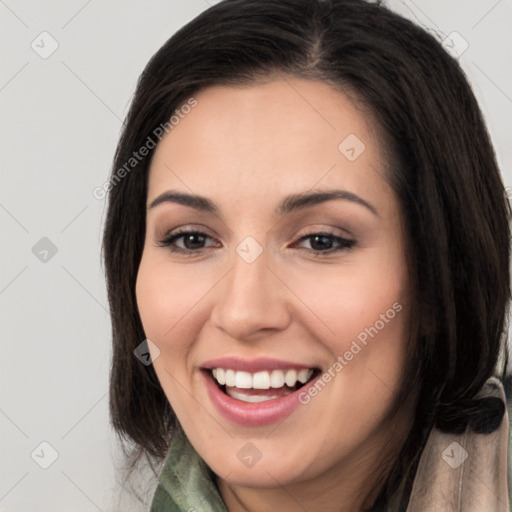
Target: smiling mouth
pixel 260 386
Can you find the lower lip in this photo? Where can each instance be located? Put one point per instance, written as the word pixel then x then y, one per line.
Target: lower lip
pixel 253 414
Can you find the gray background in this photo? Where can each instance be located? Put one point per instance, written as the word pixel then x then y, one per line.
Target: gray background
pixel 61 117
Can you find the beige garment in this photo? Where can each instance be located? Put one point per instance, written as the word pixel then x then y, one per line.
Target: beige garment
pixel 466 472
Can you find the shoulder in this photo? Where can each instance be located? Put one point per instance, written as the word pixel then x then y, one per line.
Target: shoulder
pixel 468 471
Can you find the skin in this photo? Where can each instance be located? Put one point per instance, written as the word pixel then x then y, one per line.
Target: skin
pixel 246 148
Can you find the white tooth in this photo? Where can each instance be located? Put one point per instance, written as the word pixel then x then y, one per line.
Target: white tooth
pixel 304 375
pixel 249 398
pixel 230 378
pixel 261 380
pixel 221 376
pixel 243 380
pixel 277 379
pixel 291 377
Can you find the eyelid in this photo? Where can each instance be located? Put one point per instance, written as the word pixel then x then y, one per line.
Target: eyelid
pixel 310 230
pixel 322 228
pixel 184 228
pixel 172 236
pixel 177 233
pixel 345 243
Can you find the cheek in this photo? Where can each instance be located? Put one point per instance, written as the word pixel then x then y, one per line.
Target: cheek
pixel 164 300
pixel 344 301
pixel 153 300
pixel 173 306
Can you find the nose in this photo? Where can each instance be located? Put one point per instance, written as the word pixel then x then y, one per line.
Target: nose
pixel 251 300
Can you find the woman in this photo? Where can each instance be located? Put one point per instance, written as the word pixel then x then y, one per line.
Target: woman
pixel 307 257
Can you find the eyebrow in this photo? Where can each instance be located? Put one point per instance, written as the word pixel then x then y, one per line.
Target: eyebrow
pixel 291 203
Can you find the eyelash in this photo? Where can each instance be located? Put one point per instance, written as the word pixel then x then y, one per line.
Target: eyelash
pixel 345 243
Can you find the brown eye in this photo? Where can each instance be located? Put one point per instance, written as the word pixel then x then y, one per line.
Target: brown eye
pixel 323 242
pixel 193 241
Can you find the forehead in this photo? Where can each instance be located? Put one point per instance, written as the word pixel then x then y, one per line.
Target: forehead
pixel 285 135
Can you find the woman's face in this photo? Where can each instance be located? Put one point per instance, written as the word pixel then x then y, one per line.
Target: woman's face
pixel 275 288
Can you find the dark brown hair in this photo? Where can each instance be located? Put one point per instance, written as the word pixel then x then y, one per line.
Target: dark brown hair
pixel 441 165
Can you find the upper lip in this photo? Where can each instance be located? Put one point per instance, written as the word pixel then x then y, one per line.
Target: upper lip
pixel 254 365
